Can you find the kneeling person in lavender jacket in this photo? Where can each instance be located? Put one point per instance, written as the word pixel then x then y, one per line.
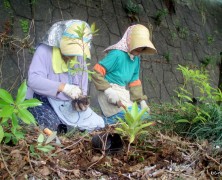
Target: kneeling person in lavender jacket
pixel 52 81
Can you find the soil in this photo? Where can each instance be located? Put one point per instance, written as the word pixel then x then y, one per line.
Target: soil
pixel 81 101
pixel 153 156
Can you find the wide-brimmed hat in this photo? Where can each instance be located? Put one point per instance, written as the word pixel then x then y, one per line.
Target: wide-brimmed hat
pixel 71 45
pixel 140 37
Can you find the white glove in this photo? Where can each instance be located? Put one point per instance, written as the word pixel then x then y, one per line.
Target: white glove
pixel 143 105
pixel 72 91
pixel 112 96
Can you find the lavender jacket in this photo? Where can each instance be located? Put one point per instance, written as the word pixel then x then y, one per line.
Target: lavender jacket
pixel 42 79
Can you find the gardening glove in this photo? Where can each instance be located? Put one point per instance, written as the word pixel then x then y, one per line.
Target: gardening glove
pixel 72 91
pixel 112 96
pixel 143 105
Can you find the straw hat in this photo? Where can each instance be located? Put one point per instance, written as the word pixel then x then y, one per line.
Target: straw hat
pixel 140 37
pixel 70 45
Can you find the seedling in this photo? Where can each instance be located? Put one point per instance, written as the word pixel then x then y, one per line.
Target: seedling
pixel 11 111
pixel 82 32
pixel 132 125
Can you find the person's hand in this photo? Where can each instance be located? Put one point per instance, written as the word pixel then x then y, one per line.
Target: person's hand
pixel 72 91
pixel 143 105
pixel 112 96
pixel 81 104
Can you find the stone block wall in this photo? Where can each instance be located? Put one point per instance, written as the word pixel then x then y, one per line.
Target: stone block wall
pixel 188 35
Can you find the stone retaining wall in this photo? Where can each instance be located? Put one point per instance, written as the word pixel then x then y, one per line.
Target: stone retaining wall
pixel 188 35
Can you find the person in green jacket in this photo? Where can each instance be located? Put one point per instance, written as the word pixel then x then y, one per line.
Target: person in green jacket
pixel 116 76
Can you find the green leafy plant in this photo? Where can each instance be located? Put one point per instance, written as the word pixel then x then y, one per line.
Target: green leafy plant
pixel 167 56
pixel 24 25
pixel 173 35
pixel 6 4
pixel 183 32
pixel 194 107
pixel 33 2
pixel 161 14
pixel 132 125
pixel 43 142
pixel 210 39
pixel 12 111
pixel 132 7
pixel 81 32
pixel 209 60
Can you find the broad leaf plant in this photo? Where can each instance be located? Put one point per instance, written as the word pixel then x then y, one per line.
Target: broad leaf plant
pixel 132 125
pixel 13 111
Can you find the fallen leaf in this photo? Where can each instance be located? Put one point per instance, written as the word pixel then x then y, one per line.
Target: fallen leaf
pixel 45 171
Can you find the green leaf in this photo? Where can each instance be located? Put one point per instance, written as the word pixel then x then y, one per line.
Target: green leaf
pixel 132 138
pixel 14 120
pixel 46 148
pixel 18 135
pixel 26 116
pixel 51 137
pixel 8 137
pixel 21 93
pixel 93 27
pixel 84 56
pixel 30 103
pixel 199 118
pixel 1 133
pixel 123 124
pixel 40 138
pixel 4 120
pixel 145 125
pixel 120 130
pixel 32 149
pixel 6 96
pixel 134 111
pixel 7 111
pixel 129 118
pixel 182 121
pixel 3 103
pixel 141 113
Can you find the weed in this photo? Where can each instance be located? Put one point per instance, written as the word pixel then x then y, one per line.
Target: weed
pixel 42 144
pixel 12 111
pixel 31 50
pixel 132 7
pixel 207 60
pixel 195 107
pixel 210 39
pixel 161 14
pixel 173 35
pixel 183 32
pixel 24 25
pixel 6 4
pixel 167 56
pixel 34 2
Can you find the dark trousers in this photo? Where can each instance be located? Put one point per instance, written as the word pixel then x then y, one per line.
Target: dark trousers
pixel 45 114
